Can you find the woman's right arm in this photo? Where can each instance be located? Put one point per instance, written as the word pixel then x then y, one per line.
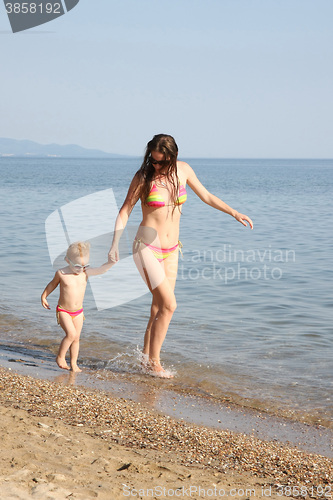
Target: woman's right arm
pixel 123 216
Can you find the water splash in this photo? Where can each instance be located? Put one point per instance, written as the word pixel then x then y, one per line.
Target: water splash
pixel 135 362
pixel 145 368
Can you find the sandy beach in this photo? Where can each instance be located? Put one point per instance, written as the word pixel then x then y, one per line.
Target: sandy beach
pixel 60 441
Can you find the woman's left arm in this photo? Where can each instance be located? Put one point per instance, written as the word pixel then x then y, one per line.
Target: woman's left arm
pixel 209 198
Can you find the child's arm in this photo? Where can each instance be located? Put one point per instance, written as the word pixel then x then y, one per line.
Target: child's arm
pixel 49 289
pixel 95 271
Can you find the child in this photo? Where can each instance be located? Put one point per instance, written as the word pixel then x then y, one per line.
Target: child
pixel 73 282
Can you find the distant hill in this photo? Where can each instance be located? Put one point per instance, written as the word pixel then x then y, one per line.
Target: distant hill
pixel 13 147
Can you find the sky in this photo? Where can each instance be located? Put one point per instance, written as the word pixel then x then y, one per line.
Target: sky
pixel 226 78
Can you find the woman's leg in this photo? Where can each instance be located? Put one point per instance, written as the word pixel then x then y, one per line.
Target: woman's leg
pixel 153 312
pixel 165 298
pixel 164 302
pixel 152 272
pixel 160 278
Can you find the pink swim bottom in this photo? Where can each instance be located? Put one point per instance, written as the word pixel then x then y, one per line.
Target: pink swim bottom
pixel 73 314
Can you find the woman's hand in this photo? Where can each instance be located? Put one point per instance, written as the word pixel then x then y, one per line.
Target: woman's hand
pixel 243 219
pixel 113 255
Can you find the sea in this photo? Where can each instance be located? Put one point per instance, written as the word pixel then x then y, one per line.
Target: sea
pixel 254 322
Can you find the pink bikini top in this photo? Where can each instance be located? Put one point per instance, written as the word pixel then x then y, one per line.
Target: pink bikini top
pixel 154 199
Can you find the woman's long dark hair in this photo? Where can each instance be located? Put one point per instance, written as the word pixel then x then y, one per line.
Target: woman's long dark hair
pixel 162 143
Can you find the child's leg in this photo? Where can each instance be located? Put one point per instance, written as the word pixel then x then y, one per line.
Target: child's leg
pixel 74 348
pixel 67 324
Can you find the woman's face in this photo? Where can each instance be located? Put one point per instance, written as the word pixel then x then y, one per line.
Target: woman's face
pixel 158 161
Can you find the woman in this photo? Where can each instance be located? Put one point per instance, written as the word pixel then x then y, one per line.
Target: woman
pixel 160 185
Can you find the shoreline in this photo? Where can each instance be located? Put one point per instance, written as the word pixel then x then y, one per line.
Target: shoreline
pixel 245 391
pixel 163 397
pixel 46 425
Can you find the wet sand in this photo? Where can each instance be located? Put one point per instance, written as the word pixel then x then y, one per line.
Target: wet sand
pixel 61 441
pixel 169 399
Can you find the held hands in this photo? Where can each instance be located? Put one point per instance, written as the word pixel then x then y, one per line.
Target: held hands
pixel 243 219
pixel 113 255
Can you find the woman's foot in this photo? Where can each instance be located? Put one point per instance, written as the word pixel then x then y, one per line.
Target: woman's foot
pixel 156 370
